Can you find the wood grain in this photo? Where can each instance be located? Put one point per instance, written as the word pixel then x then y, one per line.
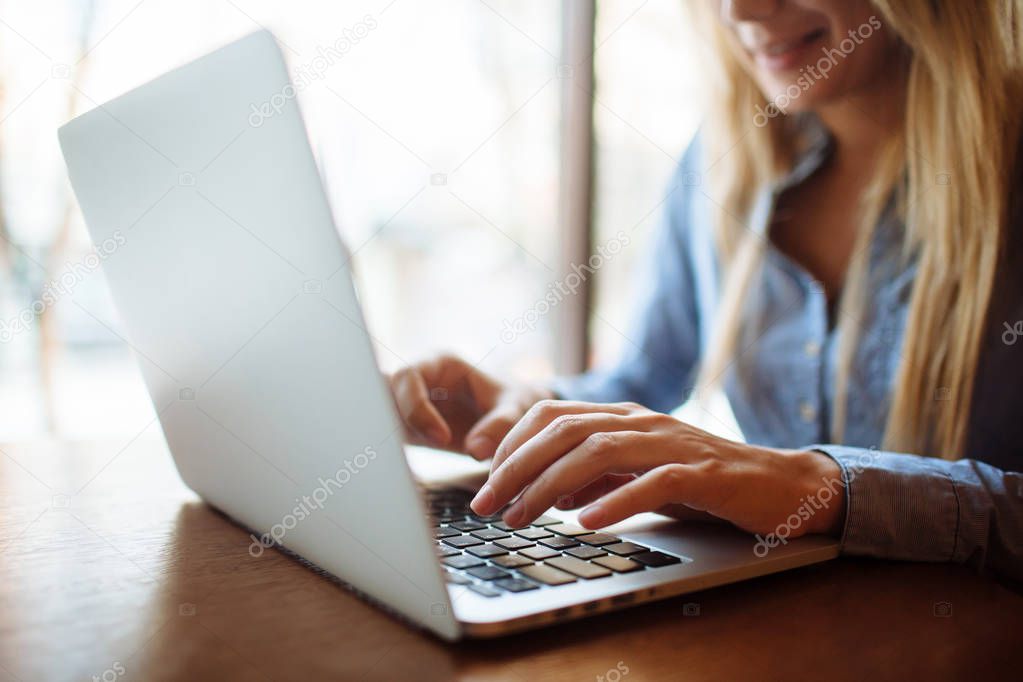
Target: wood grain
pixel 111 568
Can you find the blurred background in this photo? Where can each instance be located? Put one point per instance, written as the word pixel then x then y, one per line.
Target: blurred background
pixel 438 132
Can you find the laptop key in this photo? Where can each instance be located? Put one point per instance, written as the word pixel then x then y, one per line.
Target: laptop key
pixel 560 542
pixel 465 541
pixel 446 532
pixel 516 584
pixel 545 521
pixel 539 553
pixel 598 539
pixel 444 551
pixel 656 559
pixel 618 564
pixel 514 543
pixel 457 578
pixel 623 548
pixel 489 534
pixel 488 573
pixel 501 525
pixel 511 561
pixel 583 569
pixel 548 575
pixel 533 533
pixel 568 529
pixel 467 525
pixel 463 561
pixel 485 590
pixel 485 519
pixel 487 550
pixel 585 552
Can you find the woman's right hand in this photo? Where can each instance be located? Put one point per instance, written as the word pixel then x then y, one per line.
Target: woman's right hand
pixel 447 403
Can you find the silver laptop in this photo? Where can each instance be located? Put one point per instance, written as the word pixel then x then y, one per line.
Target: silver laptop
pixel 234 291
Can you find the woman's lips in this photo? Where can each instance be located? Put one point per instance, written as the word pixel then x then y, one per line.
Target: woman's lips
pixel 785 55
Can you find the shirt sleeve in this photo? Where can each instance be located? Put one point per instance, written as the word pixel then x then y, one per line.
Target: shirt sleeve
pixel 925 509
pixel 661 345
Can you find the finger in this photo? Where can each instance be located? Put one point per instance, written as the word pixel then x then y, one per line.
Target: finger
pixel 593 491
pixel 417 410
pixel 684 512
pixel 621 452
pixel 482 440
pixel 560 436
pixel 539 416
pixel 668 484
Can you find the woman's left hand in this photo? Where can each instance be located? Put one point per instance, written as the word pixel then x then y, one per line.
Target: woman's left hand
pixel 631 460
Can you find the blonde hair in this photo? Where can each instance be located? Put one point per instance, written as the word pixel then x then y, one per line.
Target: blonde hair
pixel 961 128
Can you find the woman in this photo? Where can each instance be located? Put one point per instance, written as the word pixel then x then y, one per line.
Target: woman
pixel 839 255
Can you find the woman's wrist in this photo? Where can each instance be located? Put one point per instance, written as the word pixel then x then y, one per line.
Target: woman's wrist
pixel 826 493
pixel 818 492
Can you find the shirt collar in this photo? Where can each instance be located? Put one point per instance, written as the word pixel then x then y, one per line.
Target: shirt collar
pixel 814 146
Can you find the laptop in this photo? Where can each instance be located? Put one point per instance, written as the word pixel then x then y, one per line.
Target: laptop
pixel 234 291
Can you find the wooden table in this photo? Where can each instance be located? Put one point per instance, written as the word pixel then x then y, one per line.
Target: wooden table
pixel 111 569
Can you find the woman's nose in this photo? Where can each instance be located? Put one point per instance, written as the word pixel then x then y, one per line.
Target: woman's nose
pixel 735 11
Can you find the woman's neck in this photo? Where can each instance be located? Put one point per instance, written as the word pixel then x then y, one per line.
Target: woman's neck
pixel 862 122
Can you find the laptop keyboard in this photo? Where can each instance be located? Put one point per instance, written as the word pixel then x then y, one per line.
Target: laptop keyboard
pixel 491 558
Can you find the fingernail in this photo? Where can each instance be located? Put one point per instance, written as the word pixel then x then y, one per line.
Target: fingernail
pixel 593 517
pixel 481 446
pixel 515 516
pixel 484 500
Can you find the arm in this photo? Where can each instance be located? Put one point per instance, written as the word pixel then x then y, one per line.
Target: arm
pixel 662 344
pixel 881 504
pixel 925 509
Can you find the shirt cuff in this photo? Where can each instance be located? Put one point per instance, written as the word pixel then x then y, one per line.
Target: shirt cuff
pixel 897 506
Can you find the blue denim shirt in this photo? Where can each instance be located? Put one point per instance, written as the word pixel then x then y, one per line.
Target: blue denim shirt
pixel 781 386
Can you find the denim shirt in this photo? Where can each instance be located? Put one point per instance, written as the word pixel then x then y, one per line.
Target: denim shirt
pixel 781 385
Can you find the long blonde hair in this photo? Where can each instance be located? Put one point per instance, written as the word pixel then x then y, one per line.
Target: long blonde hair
pixel 949 171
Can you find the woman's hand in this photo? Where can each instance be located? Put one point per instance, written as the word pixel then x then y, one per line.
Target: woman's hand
pixel 627 459
pixel 447 403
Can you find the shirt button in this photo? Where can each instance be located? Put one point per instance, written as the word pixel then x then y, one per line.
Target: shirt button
pixel 812 349
pixel 807 412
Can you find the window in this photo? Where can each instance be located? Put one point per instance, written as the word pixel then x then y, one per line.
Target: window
pixel 645 113
pixel 436 129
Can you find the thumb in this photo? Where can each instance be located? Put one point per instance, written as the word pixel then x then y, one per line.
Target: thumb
pixel 482 440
